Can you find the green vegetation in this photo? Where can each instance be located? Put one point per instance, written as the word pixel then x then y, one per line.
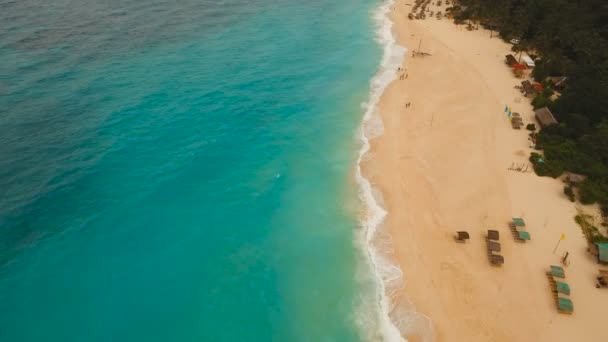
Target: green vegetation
pixel 591 232
pixel 543 99
pixel 542 167
pixel 570 38
pixel 531 127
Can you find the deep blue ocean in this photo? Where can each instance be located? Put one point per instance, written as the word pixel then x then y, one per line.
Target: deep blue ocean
pixel 183 170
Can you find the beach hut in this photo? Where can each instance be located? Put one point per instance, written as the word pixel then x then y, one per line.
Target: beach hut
pixel 493 246
pixel 493 235
pixel 562 287
pixel 557 272
pixel 519 235
pixel 523 236
pixel 602 253
pixel 528 62
pixel 527 88
pixel 510 60
pixel 518 222
pixel 516 123
pixel 462 236
pixel 564 305
pixel 544 117
pixel 497 259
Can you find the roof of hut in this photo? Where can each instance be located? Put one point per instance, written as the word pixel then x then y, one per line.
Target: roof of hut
pixel 545 117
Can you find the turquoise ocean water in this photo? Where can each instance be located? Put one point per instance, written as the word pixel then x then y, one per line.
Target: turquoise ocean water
pixel 183 170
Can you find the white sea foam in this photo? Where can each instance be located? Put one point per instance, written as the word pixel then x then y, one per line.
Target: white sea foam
pixel 392 320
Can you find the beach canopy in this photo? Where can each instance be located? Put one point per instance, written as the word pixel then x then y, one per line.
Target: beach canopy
pixel 494 246
pixel 497 259
pixel 462 235
pixel 524 235
pixel 518 66
pixel 557 271
pixel 519 222
pixel 537 86
pixel 565 304
pixel 510 59
pixel 603 252
pixel 562 287
pixel 493 234
pixel 529 61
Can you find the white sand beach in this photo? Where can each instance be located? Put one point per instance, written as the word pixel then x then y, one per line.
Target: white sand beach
pixel 442 166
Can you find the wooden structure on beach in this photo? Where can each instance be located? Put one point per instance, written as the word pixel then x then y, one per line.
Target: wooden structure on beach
pixel 516 121
pixel 510 60
pixel 529 62
pixel 517 227
pixel 461 236
pixel 493 248
pixel 544 116
pixel 602 253
pixel 527 88
pixel 560 290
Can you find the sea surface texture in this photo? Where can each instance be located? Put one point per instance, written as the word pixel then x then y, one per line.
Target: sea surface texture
pixel 183 170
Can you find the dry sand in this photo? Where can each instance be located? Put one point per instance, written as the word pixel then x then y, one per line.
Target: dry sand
pixel 442 166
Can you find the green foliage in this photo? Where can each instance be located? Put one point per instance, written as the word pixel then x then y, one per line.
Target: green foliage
pixel 545 68
pixel 535 158
pixel 549 169
pixel 592 192
pixel 547 92
pixel 591 232
pixel 542 167
pixel 571 39
pixel 569 193
pixel 531 127
pixel 541 101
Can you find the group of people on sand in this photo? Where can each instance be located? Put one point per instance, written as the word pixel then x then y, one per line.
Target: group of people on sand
pixel 404 75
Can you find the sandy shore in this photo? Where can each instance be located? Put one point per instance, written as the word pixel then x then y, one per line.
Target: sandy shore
pixel 442 165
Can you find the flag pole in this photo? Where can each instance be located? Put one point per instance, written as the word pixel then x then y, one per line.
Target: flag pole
pixel 558 241
pixel 563 236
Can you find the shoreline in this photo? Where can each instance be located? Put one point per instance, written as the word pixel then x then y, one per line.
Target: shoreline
pixel 441 166
pixel 384 270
